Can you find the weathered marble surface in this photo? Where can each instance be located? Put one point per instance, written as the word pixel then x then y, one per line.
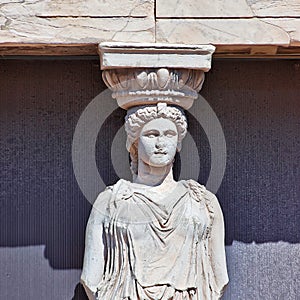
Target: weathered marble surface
pixel 76 21
pixel 226 31
pixel 77 8
pixel 202 8
pixel 32 29
pixel 290 25
pixel 275 8
pixel 228 24
pixel 129 55
pixel 227 8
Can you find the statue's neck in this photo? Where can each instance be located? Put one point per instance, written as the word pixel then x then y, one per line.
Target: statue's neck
pixel 154 176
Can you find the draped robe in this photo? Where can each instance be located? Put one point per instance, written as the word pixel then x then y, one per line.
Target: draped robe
pixel 141 245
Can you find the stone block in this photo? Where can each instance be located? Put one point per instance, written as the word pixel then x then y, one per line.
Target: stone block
pixel 226 8
pixel 71 8
pixel 290 25
pixel 202 8
pixel 275 8
pixel 155 55
pixel 220 32
pixel 24 29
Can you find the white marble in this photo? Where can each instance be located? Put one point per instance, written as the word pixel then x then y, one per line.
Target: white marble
pixel 253 31
pixel 155 55
pixel 150 86
pixel 155 238
pixel 227 8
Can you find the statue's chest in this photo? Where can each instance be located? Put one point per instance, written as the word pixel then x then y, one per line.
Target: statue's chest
pixel 187 219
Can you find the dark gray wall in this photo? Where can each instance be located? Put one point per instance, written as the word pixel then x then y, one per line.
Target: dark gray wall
pixel 43 213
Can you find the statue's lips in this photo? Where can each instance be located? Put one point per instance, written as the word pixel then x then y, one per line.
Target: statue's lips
pixel 161 152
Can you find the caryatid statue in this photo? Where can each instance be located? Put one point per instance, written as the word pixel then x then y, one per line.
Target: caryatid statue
pixel 154 238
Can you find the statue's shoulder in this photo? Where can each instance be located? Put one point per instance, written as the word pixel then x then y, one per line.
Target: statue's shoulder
pixel 121 189
pixel 196 190
pixel 199 190
pixel 194 185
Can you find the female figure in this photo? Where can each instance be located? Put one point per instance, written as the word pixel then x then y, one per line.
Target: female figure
pixel 155 238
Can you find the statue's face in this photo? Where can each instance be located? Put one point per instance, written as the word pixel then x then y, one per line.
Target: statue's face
pixel 158 142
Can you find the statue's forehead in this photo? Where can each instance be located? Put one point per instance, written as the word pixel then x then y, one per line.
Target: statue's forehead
pixel 160 124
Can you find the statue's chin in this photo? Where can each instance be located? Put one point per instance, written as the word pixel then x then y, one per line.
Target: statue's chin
pixel 160 161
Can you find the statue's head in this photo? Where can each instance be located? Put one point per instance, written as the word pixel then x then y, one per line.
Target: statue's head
pixel 154 134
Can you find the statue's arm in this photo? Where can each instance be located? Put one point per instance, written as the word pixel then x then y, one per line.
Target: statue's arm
pixel 217 248
pixel 93 264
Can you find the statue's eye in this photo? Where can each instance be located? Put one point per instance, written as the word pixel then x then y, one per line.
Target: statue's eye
pixel 151 134
pixel 170 133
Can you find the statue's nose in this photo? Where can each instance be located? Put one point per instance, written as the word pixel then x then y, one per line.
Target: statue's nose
pixel 160 143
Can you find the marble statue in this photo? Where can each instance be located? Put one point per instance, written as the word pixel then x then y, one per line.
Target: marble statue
pixel 155 238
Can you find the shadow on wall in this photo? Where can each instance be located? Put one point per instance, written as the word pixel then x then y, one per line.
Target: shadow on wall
pixel 79 293
pixel 256 102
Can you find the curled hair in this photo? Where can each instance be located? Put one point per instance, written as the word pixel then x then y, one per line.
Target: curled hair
pixel 136 118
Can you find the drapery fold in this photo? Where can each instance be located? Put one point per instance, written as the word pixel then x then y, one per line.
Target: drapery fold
pixel 152 247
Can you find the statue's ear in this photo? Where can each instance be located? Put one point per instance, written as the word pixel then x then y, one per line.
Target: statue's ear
pixel 178 146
